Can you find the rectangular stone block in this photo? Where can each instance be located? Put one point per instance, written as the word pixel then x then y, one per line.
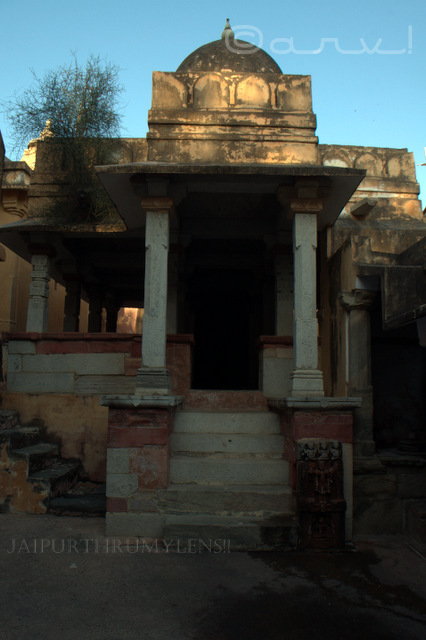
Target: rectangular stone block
pixel 21 347
pixel 379 485
pixel 136 436
pixel 121 485
pixel 116 505
pixel 373 517
pixel 276 374
pixel 98 385
pixel 151 465
pixel 143 502
pixel 319 424
pixel 68 345
pixel 146 526
pixel 118 460
pixel 412 484
pixel 40 382
pixel 14 362
pixel 138 417
pixel 79 363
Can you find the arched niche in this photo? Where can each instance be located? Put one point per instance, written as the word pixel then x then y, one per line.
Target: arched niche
pixel 253 92
pixel 168 92
pixel 336 160
pixel 211 91
pixel 372 164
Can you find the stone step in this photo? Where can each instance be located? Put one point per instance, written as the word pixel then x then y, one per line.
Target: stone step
pixel 58 479
pixel 220 470
pixel 8 419
pixel 38 456
pixel 71 505
pixel 227 443
pixel 84 499
pixel 244 422
pixel 230 533
pixel 232 500
pixel 19 437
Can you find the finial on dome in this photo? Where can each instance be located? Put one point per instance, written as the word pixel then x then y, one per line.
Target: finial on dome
pixel 227 31
pixel 47 131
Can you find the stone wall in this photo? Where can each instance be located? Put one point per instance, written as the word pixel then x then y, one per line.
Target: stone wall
pixel 87 363
pixel 385 489
pixel 55 380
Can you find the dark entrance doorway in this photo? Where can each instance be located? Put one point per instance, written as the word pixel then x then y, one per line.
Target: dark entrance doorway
pixel 226 312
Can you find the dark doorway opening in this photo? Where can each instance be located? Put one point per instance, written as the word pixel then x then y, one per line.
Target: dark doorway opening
pixel 226 311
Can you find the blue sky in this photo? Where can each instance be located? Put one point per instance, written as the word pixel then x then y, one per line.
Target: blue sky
pixel 368 81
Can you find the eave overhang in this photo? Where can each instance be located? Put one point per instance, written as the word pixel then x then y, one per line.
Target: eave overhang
pixel 127 184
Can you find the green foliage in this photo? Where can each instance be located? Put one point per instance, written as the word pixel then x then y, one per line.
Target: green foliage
pixel 82 105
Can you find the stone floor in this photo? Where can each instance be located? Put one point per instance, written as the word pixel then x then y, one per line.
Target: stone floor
pixel 61 578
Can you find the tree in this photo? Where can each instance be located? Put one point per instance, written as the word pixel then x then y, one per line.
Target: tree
pixel 81 105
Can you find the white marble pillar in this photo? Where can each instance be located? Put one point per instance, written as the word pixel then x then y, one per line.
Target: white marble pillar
pixel 153 377
pixel 38 304
pixel 307 379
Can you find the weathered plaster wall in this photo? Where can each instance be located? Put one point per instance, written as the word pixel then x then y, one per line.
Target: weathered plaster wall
pixel 77 423
pixel 231 117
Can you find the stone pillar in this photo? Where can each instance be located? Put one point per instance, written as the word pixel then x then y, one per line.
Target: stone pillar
pixel 153 377
pixel 72 305
pixel 95 314
pixel 112 309
pixel 357 303
pixel 307 379
pixel 38 304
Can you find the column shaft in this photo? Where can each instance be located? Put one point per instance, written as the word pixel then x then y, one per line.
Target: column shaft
pixel 307 379
pixel 357 304
pixel 72 306
pixel 153 375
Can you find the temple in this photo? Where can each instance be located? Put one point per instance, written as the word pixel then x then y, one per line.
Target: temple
pixel 275 394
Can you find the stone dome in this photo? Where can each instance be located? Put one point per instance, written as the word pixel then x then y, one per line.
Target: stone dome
pixel 229 53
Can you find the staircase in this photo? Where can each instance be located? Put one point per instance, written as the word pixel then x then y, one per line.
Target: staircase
pixel 229 480
pixel 31 472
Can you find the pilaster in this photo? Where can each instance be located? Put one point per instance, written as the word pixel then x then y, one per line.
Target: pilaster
pixel 153 377
pixel 357 304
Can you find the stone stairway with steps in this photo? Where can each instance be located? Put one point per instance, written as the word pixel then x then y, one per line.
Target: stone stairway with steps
pixel 32 473
pixel 229 480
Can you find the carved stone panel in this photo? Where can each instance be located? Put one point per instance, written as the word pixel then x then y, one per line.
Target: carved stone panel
pixel 320 494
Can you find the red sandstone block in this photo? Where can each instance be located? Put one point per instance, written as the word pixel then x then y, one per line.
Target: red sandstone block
pixel 136 436
pixel 61 347
pixel 20 336
pixel 151 465
pixel 116 505
pixel 327 432
pixel 136 350
pixel 105 346
pixel 131 366
pixel 139 417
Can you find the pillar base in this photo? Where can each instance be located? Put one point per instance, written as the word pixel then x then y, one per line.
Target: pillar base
pixel 151 381
pixel 307 383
